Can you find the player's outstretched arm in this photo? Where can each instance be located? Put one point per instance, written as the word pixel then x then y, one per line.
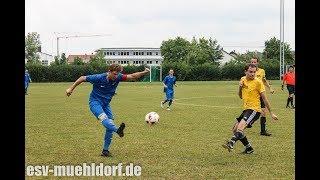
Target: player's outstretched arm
pixel 137 75
pixel 266 83
pixel 240 89
pixel 266 102
pixel 164 85
pixel 75 84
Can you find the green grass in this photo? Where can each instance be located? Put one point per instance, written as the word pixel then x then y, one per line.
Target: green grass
pixel 186 144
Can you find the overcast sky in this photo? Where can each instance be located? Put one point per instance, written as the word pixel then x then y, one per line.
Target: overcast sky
pixel 146 23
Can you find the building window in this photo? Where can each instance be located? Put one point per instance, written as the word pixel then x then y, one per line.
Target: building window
pixel 107 53
pixel 157 53
pixel 142 53
pixel 156 62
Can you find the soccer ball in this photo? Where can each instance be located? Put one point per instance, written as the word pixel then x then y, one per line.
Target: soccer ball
pixel 152 118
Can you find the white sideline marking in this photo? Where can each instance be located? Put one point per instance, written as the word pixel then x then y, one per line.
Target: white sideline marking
pixel 200 105
pixel 203 97
pixel 208 105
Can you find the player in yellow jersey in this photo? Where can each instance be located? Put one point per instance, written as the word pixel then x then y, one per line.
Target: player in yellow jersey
pixel 260 74
pixel 250 91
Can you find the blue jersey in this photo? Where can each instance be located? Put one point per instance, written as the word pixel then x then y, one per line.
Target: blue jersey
pixel 26 78
pixel 103 87
pixel 169 81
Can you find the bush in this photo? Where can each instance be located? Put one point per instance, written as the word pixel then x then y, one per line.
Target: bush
pixel 232 71
pixel 204 72
pixel 184 72
pixel 181 70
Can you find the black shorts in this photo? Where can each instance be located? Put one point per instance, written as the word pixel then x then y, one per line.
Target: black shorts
pixel 262 105
pixel 291 89
pixel 250 116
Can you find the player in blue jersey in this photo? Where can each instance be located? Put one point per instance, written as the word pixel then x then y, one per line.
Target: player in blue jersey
pixel 104 87
pixel 27 80
pixel 168 83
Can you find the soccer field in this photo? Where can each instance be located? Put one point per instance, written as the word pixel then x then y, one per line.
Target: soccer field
pixel 186 144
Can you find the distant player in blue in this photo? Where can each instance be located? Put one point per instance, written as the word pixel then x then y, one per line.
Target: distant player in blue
pixel 27 80
pixel 168 83
pixel 104 87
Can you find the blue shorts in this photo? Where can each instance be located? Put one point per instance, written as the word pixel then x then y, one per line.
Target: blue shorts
pixel 169 94
pixel 98 108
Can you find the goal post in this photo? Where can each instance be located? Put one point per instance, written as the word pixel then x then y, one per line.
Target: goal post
pixel 155 74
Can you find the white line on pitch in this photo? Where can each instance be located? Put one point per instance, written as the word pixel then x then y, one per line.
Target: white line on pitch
pixel 203 97
pixel 231 107
pixel 199 105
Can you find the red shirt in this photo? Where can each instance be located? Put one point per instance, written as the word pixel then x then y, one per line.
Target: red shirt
pixel 289 78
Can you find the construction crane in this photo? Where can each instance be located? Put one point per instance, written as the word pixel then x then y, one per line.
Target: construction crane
pixel 76 36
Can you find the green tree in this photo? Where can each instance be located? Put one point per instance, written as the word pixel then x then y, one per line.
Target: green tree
pixel 32 46
pixel 78 61
pixel 198 52
pixel 56 61
pixel 204 51
pixel 194 52
pixel 175 50
pixel 98 59
pixel 215 51
pixel 63 59
pixel 246 57
pixel 272 50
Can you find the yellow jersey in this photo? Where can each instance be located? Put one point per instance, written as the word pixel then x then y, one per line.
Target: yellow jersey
pixel 260 73
pixel 251 90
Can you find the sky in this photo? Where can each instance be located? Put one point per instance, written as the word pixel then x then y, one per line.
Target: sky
pixel 238 25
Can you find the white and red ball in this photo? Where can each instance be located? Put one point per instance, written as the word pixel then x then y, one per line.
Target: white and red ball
pixel 152 117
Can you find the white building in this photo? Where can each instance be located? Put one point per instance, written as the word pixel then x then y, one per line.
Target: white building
pixel 133 56
pixel 226 57
pixel 45 58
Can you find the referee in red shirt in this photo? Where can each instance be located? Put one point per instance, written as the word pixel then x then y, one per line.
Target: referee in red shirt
pixel 289 80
